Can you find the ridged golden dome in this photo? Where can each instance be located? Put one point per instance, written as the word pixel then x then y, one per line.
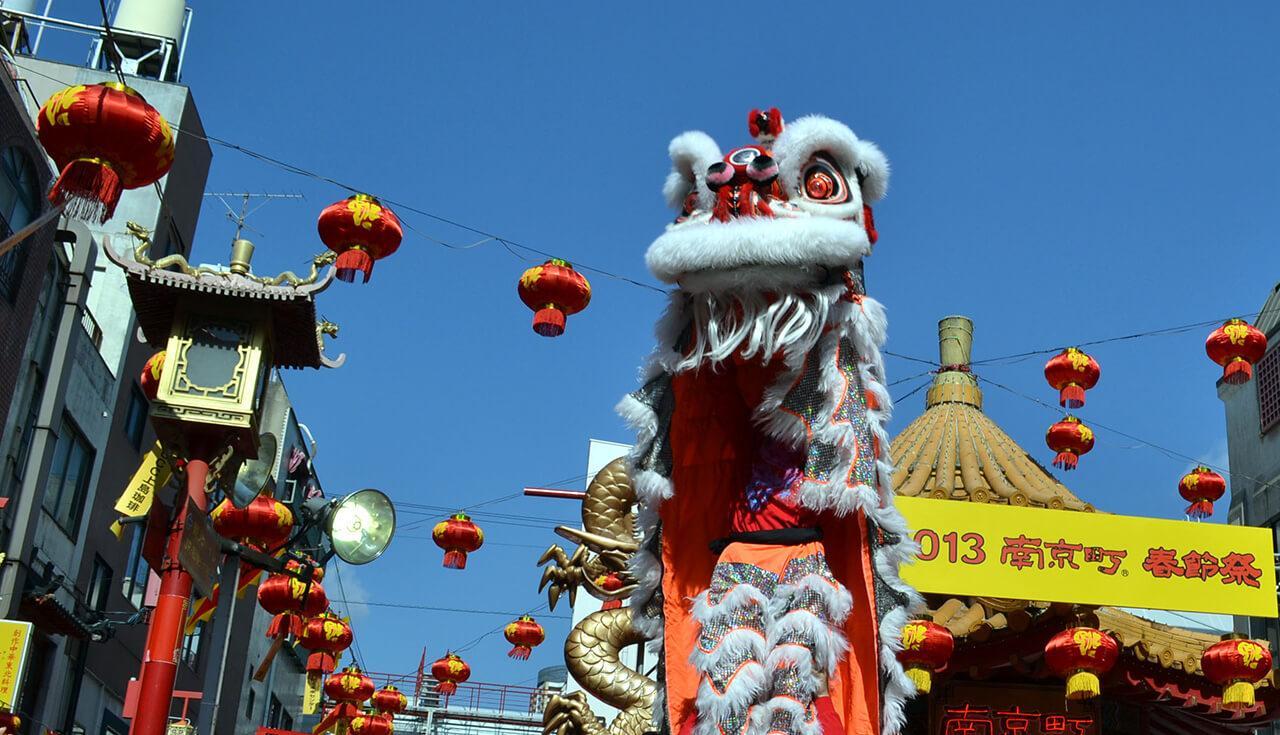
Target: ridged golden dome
pixel 954 451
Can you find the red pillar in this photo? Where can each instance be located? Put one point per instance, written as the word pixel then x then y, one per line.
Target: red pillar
pixel 164 636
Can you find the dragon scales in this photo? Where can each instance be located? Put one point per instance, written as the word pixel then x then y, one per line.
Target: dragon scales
pixel 593 647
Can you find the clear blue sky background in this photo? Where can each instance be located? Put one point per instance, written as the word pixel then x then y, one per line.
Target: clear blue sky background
pixel 1061 173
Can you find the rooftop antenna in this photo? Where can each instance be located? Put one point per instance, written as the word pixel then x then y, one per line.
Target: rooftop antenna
pixel 244 213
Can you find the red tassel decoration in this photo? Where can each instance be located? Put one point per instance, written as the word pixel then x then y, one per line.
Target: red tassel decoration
pixel 350 261
pixel 89 188
pixel 1066 461
pixel 455 559
pixel 520 652
pixel 869 224
pixel 549 321
pixel 447 687
pixel 1237 371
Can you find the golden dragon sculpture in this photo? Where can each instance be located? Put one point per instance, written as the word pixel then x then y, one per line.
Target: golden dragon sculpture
pixel 142 254
pixel 593 648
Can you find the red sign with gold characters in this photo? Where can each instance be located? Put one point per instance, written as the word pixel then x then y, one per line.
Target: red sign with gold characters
pixel 988 550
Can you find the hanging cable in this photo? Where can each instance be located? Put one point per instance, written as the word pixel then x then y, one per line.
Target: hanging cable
pixel 430 608
pixel 355 642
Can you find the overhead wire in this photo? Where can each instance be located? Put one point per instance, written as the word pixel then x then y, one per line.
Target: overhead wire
pixel 432 608
pixel 355 642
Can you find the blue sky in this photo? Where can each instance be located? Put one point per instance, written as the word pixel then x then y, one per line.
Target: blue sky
pixel 1062 173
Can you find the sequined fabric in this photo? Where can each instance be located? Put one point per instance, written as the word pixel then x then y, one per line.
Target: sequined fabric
pixel 730 609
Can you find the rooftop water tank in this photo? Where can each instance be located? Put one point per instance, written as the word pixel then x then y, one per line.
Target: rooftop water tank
pixel 155 17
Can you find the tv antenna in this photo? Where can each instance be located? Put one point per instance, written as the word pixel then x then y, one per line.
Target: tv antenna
pixel 239 218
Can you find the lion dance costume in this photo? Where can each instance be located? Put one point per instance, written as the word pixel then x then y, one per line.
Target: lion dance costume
pixel 771 543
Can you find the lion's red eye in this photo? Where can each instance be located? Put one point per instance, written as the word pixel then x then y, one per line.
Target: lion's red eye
pixel 819 185
pixel 823 183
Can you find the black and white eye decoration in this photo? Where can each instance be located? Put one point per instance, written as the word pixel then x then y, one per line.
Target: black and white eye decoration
pixel 821 181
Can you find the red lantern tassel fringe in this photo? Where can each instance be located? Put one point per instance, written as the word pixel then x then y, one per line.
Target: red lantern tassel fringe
pixel 1071 396
pixel 89 190
pixel 446 687
pixel 549 321
pixel 1065 461
pixel 1237 372
pixel 611 605
pixel 520 652
pixel 284 625
pixel 322 662
pixel 350 261
pixel 455 559
pixel 1200 509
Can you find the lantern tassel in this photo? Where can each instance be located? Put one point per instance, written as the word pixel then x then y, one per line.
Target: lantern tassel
pixel 1065 461
pixel 549 321
pixel 520 652
pixel 88 188
pixel 1071 396
pixel 352 260
pixel 1238 695
pixel 1237 372
pixel 322 662
pixel 455 559
pixel 1083 685
pixel 1200 509
pixel 446 687
pixel 921 678
pixel 611 605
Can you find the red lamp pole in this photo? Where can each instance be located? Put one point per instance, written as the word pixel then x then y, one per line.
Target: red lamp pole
pixel 164 635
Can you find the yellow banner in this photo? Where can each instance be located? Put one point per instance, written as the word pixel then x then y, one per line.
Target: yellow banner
pixel 15 642
pixel 152 472
pixel 985 550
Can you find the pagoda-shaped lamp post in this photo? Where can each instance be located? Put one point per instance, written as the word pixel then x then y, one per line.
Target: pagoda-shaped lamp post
pixel 223 331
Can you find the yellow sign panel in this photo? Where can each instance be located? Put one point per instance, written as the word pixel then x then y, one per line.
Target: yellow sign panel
pixel 986 550
pixel 153 472
pixel 15 643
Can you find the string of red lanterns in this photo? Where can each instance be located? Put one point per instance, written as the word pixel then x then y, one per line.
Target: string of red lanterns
pixel 1236 346
pixel 450 671
pixel 926 649
pixel 1070 438
pixel 458 536
pixel 1081 655
pixel 524 634
pixel 360 229
pixel 554 291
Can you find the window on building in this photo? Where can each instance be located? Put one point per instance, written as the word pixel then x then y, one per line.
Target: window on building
pixel 68 481
pixel 136 570
pixel 135 418
pixel 19 204
pixel 274 711
pixel 99 584
pixel 191 645
pixel 249 701
pixel 1267 378
pixel 286 721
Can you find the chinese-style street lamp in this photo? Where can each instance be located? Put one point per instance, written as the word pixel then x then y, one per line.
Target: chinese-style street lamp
pixel 1081 656
pixel 926 648
pixel 1071 373
pixel 449 672
pixel 105 138
pixel 222 333
pixel 524 634
pixel 1236 346
pixel 1201 487
pixel 389 701
pixel 1070 439
pixel 458 536
pixel 553 290
pixel 360 230
pixel 1236 664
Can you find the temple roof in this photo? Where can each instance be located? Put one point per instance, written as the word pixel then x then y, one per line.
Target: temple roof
pixel 954 451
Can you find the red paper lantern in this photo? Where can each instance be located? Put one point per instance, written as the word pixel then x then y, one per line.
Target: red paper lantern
pixel 349 685
pixel 326 635
pixel 610 582
pixel 524 634
pixel 450 671
pixel 105 138
pixel 360 230
pixel 1070 439
pixel 1071 373
pixel 389 700
pixel 1201 487
pixel 926 648
pixel 10 721
pixel 458 536
pixel 150 377
pixel 1236 346
pixel 1081 655
pixel 291 601
pixel 264 524
pixel 554 290
pixel 369 724
pixel 1236 664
